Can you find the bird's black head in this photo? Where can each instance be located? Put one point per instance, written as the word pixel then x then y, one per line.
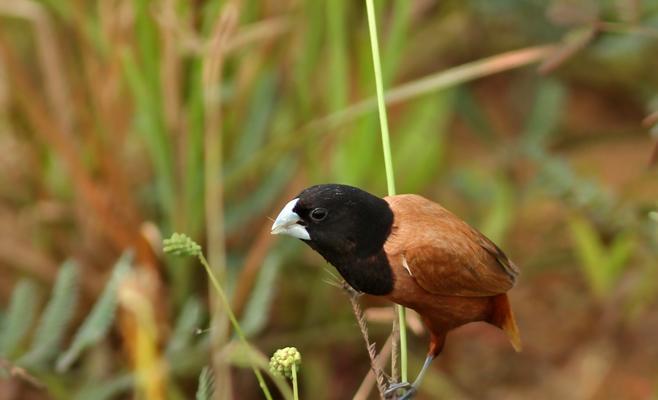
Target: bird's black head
pixel 348 227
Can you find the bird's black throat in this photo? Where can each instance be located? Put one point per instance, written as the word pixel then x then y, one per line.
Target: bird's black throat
pixel 371 275
pixel 368 274
pixel 353 235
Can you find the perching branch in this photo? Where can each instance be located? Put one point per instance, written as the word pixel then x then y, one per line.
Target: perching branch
pixel 372 351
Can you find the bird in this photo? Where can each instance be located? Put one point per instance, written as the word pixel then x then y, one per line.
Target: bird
pixel 411 251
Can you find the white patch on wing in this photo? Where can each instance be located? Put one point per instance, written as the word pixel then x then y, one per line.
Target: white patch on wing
pixel 405 265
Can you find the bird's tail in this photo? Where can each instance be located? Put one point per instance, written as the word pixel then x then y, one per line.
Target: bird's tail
pixel 503 317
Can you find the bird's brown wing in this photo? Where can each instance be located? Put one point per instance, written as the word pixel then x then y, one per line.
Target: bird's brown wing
pixel 444 254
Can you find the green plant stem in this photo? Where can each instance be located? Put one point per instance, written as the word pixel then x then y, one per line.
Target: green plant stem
pixel 388 162
pixel 236 324
pixel 295 393
pixel 383 120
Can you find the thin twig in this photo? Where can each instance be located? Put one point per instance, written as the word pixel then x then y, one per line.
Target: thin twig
pixel 650 119
pixel 653 159
pixel 20 373
pixel 619 27
pixel 567 51
pixel 372 351
pixel 366 385
pixel 395 350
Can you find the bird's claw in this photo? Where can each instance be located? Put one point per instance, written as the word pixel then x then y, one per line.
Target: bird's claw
pixel 409 390
pixel 409 394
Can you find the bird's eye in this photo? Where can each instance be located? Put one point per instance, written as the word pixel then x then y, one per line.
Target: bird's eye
pixel 318 214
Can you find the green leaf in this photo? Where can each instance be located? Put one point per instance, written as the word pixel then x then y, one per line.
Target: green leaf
pixel 590 252
pixel 55 319
pixel 206 387
pixel 100 318
pixel 619 254
pixel 19 317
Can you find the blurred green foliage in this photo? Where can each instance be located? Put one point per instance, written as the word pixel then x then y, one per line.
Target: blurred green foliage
pixel 103 127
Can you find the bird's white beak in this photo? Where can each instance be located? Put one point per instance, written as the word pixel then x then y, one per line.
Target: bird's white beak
pixel 286 223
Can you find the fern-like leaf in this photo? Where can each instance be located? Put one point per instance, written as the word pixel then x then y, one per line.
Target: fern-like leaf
pixel 94 328
pixel 55 319
pixel 19 317
pixel 206 387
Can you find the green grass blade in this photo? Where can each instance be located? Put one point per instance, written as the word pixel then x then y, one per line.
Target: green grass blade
pixel 311 49
pixel 55 319
pixel 618 256
pixel 396 40
pixel 149 123
pixel 379 83
pixel 420 150
pixel 337 71
pixel 258 118
pixel 194 178
pixel 147 43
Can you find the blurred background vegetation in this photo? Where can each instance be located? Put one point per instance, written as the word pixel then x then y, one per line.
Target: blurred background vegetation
pixel 122 121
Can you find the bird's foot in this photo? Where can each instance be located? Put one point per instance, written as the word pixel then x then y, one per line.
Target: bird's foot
pixel 409 391
pixel 409 394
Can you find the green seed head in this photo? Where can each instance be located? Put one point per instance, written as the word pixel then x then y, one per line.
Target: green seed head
pixel 180 244
pixel 283 359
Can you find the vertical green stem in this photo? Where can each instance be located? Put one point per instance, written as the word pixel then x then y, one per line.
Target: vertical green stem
pixel 295 392
pixel 383 120
pixel 388 162
pixel 236 325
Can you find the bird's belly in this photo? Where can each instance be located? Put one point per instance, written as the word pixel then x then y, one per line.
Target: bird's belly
pixel 438 311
